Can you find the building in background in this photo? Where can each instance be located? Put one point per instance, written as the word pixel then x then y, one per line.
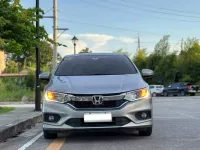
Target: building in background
pixel 2 61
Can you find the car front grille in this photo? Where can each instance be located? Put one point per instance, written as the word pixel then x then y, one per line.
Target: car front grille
pixel 105 104
pixel 79 122
pixel 104 101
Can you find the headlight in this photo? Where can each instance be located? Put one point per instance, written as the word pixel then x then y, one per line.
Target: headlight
pixel 59 97
pixel 136 95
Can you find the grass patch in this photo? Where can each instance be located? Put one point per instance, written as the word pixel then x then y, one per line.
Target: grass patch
pixel 12 90
pixel 16 96
pixel 5 109
pixel 198 94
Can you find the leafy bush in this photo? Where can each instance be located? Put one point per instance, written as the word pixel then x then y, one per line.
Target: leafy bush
pixel 13 90
pixel 30 79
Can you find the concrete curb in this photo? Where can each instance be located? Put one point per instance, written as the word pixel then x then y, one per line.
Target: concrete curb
pixel 16 103
pixel 19 126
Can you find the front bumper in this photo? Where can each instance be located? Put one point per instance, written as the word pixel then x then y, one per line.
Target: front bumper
pixel 128 111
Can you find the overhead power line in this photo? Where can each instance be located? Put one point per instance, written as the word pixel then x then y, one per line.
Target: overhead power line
pixel 48 10
pixel 153 11
pixel 110 27
pixel 163 8
pixel 137 14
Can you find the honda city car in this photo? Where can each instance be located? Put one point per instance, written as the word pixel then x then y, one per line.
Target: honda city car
pixel 96 91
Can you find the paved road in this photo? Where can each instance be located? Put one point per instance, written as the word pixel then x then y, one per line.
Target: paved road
pixel 176 127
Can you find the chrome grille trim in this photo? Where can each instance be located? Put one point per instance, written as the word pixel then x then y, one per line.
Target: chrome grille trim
pixel 105 98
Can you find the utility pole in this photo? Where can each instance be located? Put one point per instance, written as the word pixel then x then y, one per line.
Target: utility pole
pixel 55 32
pixel 55 26
pixel 37 85
pixel 138 41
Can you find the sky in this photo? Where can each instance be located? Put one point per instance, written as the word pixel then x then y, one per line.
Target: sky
pixel 108 25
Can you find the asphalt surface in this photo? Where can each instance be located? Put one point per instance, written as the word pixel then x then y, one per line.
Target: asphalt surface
pixel 176 127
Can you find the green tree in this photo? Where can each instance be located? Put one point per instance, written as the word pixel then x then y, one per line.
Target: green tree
pixel 167 67
pixel 17 29
pixel 121 51
pixel 188 43
pixel 140 59
pixel 11 67
pixel 153 60
pixel 85 50
pixel 163 46
pixel 189 63
pixel 46 55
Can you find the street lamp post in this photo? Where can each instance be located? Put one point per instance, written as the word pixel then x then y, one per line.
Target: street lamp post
pixel 74 41
pixel 37 86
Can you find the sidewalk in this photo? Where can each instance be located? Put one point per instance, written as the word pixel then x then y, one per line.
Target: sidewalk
pixel 21 118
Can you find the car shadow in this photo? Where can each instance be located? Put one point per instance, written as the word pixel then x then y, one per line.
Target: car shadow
pixel 103 137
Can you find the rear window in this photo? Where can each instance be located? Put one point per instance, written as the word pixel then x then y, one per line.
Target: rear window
pixel 95 65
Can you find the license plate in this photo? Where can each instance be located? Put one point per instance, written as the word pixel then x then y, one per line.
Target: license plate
pixel 97 117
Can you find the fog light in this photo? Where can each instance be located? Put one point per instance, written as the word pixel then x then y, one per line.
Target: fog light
pixel 51 118
pixel 143 115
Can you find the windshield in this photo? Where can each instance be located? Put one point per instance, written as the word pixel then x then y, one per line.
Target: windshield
pixel 151 87
pixel 95 65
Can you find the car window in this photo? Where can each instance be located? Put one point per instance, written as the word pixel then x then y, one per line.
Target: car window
pixel 95 65
pixel 175 85
pixel 160 86
pixel 151 86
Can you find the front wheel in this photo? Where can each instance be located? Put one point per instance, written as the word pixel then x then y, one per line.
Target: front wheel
pixel 146 132
pixel 165 94
pixel 182 93
pixel 49 135
pixel 154 94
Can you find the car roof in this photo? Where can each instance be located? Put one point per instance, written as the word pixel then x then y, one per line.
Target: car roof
pixel 95 54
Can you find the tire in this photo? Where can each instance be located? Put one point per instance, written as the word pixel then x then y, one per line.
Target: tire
pixel 192 94
pixel 165 94
pixel 182 93
pixel 154 94
pixel 145 132
pixel 49 135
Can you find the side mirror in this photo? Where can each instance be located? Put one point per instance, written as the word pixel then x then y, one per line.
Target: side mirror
pixel 147 73
pixel 44 76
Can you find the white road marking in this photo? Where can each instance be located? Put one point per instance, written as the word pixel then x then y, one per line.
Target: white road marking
pixel 187 115
pixel 25 146
pixel 176 98
pixel 167 118
pixel 183 114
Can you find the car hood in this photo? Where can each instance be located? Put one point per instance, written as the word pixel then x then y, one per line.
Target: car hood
pixel 98 84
